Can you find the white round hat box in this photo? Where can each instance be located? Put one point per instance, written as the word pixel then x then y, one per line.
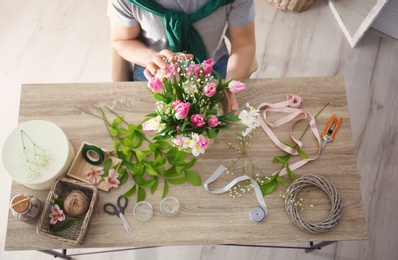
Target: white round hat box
pixel 36 153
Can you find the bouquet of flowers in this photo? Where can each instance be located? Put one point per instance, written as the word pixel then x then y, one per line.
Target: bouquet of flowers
pixel 187 99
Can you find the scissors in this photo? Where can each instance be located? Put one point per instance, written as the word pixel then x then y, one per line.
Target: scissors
pixel 330 130
pixel 111 209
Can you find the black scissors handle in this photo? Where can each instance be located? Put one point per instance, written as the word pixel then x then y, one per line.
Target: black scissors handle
pixel 111 209
pixel 119 203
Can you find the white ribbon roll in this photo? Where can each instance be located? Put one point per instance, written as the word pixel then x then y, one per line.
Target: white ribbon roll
pixel 257 189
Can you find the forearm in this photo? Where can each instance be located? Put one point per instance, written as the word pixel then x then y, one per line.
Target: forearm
pixel 125 40
pixel 239 62
pixel 134 51
pixel 243 48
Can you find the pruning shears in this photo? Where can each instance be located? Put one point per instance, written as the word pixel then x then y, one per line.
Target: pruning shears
pixel 330 131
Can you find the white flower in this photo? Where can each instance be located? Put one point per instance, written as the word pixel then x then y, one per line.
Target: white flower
pixel 186 142
pixel 249 119
pixel 190 87
pixel 196 150
pixel 152 124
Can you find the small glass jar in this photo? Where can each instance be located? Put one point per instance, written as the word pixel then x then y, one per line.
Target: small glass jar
pixel 25 208
pixel 169 206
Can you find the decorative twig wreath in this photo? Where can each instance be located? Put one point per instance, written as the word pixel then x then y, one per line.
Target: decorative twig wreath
pixel 294 213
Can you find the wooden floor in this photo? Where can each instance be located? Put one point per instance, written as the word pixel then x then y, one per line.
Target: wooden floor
pixel 51 41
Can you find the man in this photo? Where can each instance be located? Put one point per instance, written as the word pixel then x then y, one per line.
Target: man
pixel 140 33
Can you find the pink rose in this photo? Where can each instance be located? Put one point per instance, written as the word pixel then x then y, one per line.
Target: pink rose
pixel 210 89
pixel 182 110
pixel 156 85
pixel 207 66
pixel 236 86
pixel 213 121
pixel 193 69
pixel 203 142
pixel 198 120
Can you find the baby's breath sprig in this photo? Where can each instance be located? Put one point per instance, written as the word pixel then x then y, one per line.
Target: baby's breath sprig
pixel 299 203
pixel 33 157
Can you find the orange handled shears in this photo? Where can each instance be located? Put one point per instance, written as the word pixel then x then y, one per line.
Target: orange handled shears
pixel 330 130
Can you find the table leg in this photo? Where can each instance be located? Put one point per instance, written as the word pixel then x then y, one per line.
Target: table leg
pixel 318 246
pixel 56 254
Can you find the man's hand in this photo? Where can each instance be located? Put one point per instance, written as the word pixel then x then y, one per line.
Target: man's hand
pixel 160 61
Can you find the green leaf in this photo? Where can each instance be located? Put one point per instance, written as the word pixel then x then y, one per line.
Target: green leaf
pixel 159 160
pixel 65 226
pixel 139 169
pixel 129 165
pixel 172 152
pixel 124 177
pixel 117 120
pixel 180 156
pixel 165 189
pixel 137 140
pixel 163 145
pixel 290 173
pixel 150 170
pixel 268 180
pixel 179 169
pixel 130 192
pixel 212 133
pixel 159 169
pixel 128 141
pixel 190 163
pixel 171 172
pixel 148 184
pixel 269 187
pixel 141 194
pixel 138 179
pixel 281 159
pixel 107 165
pixel 160 97
pixel 131 127
pixel 126 150
pixel 116 144
pixel 112 131
pixel 153 146
pixel 122 131
pixel 155 185
pixel 140 155
pixel 177 181
pixel 281 181
pixel 59 202
pixel 301 153
pixel 193 177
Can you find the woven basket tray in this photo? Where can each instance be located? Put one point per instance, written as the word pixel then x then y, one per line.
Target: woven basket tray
pixel 74 234
pixel 292 5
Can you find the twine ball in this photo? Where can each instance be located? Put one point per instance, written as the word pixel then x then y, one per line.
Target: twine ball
pixel 76 203
pixel 294 213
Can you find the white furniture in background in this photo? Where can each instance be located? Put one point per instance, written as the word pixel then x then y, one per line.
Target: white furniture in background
pixel 356 16
pixel 387 21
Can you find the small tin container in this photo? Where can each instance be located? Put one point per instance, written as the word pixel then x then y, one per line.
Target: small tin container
pixel 25 208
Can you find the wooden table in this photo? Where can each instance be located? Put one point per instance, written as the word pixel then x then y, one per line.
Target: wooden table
pixel 203 218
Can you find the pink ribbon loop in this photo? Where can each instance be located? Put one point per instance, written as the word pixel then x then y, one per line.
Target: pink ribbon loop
pixel 292 106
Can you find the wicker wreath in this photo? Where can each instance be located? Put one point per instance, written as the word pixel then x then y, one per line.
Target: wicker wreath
pixel 294 213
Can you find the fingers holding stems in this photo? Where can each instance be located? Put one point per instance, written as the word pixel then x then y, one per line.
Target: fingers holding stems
pixel 162 59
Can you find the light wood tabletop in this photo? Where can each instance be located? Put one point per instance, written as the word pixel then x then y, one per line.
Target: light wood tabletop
pixel 203 218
